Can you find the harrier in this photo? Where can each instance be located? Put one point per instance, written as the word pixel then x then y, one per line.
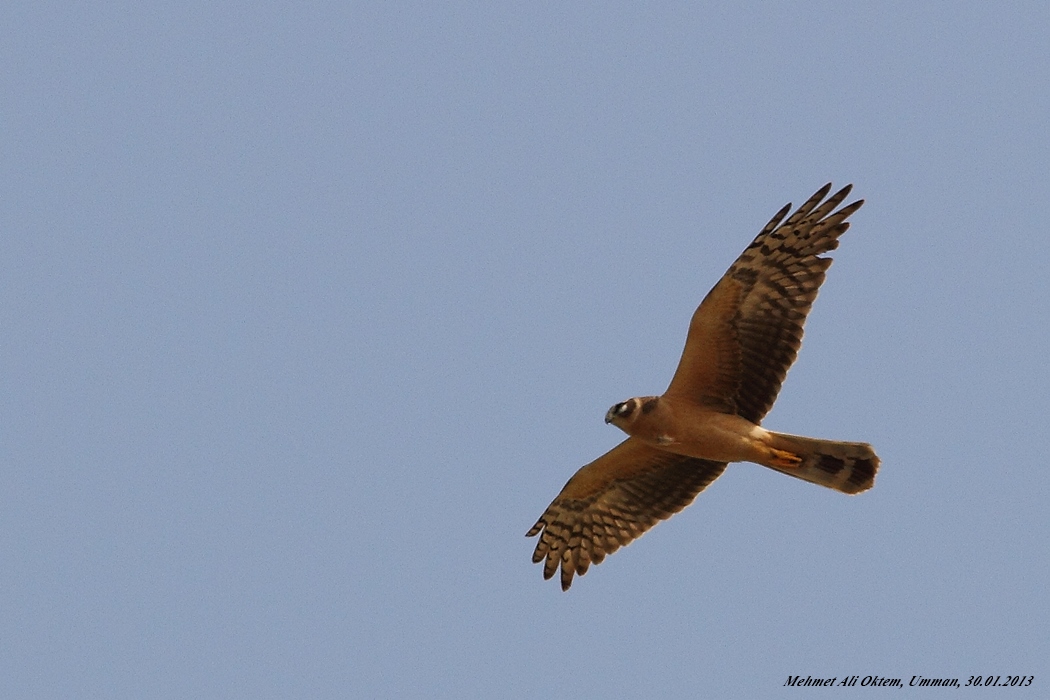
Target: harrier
pixel 742 339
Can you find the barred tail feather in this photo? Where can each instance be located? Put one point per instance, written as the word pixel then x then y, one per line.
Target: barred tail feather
pixel 848 467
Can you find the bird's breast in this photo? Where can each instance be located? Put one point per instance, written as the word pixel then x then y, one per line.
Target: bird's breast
pixel 697 432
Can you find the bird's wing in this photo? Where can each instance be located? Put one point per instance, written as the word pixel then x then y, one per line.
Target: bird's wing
pixel 747 331
pixel 612 501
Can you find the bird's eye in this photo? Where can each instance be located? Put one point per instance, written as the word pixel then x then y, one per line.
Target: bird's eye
pixel 623 408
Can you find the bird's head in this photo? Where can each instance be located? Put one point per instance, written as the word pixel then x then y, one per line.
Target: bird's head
pixel 623 414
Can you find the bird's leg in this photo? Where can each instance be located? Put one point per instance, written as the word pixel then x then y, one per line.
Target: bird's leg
pixel 784 459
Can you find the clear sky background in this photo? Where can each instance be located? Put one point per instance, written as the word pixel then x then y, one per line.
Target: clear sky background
pixel 310 309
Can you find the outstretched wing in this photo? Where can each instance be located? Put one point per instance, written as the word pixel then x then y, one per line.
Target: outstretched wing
pixel 747 331
pixel 612 501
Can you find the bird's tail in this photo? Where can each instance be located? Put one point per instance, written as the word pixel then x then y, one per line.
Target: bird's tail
pixel 848 467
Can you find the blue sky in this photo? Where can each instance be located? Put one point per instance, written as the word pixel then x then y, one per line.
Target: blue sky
pixel 310 309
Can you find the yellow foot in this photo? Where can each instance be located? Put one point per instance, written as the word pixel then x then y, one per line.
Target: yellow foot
pixel 785 460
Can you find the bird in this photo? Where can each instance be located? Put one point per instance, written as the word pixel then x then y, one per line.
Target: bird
pixel 742 340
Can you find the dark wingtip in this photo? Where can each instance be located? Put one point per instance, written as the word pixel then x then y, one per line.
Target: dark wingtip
pixel 850 208
pixel 843 193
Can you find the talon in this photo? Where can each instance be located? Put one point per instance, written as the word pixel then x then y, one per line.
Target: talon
pixel 784 459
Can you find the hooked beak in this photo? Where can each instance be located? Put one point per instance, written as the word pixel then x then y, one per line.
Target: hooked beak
pixel 608 416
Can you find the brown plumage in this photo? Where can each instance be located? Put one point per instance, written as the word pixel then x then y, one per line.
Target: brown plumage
pixel 742 340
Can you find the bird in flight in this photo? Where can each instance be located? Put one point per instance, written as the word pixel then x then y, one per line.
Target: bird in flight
pixel 742 339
